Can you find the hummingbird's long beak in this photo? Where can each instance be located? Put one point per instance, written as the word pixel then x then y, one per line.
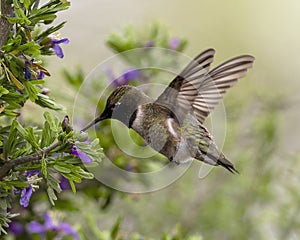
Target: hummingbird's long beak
pixel 103 116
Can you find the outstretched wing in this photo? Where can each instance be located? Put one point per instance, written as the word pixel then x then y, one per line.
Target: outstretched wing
pixel 182 91
pixel 201 90
pixel 217 82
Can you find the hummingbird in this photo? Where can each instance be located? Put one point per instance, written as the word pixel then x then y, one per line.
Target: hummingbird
pixel 173 124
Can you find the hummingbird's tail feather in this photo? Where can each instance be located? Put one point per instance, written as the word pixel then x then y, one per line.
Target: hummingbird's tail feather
pixel 227 164
pixel 221 160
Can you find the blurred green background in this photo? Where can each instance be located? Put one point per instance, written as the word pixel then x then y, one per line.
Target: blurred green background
pixel 263 202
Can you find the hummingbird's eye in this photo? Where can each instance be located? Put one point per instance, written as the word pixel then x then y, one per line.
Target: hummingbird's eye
pixel 117 104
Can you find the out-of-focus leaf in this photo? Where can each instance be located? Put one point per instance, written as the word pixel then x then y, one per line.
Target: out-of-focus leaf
pixel 115 229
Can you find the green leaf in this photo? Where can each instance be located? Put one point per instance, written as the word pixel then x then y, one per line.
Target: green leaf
pixel 17 184
pixel 31 138
pixel 20 13
pixel 72 176
pixel 45 101
pixel 50 130
pixel 44 167
pixel 12 44
pixel 72 185
pixel 30 48
pixel 84 174
pixel 12 78
pixel 49 31
pixel 62 169
pixel 51 195
pixel 14 100
pixel 47 13
pixel 20 129
pixel 51 120
pixel 26 3
pixel 47 138
pixel 31 90
pixel 3 91
pixel 115 229
pixel 28 134
pixel 53 184
pixel 12 140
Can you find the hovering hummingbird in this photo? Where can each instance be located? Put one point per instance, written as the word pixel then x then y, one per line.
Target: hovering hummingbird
pixel 173 123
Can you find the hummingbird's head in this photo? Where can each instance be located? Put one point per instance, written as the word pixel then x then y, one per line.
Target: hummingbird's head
pixel 122 103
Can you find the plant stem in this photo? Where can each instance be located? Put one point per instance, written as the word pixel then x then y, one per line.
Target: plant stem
pixel 27 159
pixel 5 27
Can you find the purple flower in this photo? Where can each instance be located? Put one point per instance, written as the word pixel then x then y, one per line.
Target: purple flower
pixel 127 77
pixel 174 43
pixel 62 229
pixel 27 73
pixel 41 75
pixel 29 173
pixel 54 44
pixel 124 79
pixel 131 74
pixel 109 73
pixel 82 155
pixel 64 183
pixel 27 192
pixel 25 196
pixel 26 69
pixel 16 228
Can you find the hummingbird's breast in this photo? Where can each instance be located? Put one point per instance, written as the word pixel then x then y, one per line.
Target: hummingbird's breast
pixel 158 128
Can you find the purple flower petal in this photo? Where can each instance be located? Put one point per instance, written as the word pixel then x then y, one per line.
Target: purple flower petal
pixel 27 73
pixel 67 229
pixel 59 41
pixel 41 75
pixel 16 228
pixel 120 81
pixel 48 222
pixel 174 43
pixel 61 229
pixel 25 196
pixel 54 44
pixel 127 77
pixel 82 155
pixel 64 183
pixel 29 173
pixel 58 50
pixel 35 227
pixel 132 74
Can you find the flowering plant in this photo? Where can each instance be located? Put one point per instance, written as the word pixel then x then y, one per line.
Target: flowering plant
pixel 40 156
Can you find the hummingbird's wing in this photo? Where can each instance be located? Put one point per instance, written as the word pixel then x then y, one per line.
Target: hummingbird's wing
pixel 200 90
pixel 182 91
pixel 215 84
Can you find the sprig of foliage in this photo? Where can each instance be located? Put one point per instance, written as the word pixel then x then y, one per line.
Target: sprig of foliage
pixel 39 156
